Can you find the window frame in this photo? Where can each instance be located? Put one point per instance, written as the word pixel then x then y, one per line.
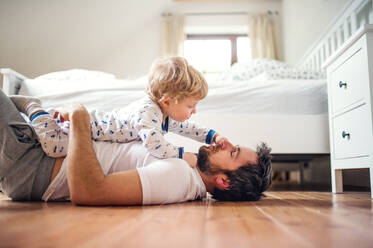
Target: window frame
pixel 231 37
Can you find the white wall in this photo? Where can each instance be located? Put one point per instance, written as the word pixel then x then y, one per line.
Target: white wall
pixel 117 36
pixel 303 21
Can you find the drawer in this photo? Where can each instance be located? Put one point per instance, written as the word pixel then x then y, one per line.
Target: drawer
pixel 352 133
pixel 350 80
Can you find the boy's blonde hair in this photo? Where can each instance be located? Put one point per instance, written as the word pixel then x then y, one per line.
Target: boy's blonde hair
pixel 175 78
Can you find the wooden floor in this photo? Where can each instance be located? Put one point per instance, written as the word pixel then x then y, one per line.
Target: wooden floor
pixel 282 219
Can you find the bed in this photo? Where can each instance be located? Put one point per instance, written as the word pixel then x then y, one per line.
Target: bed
pixel 289 114
pixel 283 106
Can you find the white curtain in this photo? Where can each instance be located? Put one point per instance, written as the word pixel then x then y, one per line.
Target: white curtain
pixel 172 37
pixel 262 36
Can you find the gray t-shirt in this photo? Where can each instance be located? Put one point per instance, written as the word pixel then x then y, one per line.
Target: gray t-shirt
pixel 163 181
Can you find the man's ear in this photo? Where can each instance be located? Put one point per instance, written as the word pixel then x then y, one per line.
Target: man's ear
pixel 222 181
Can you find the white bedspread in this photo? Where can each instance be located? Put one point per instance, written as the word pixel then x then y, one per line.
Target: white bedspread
pixel 267 97
pixel 235 97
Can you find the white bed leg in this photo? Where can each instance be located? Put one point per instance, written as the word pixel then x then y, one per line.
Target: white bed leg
pixel 337 181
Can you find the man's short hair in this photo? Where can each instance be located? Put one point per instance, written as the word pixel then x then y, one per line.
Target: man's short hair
pixel 174 77
pixel 248 182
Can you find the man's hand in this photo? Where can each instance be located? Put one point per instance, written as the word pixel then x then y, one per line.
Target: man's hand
pixel 220 140
pixel 190 158
pixel 66 112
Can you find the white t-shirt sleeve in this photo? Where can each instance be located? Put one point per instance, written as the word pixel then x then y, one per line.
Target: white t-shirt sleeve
pixel 170 180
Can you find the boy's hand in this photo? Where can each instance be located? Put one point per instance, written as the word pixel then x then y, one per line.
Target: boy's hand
pixel 190 158
pixel 221 140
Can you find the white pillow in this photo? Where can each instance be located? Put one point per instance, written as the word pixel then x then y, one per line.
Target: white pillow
pixel 292 73
pixel 251 69
pixel 261 77
pixel 42 87
pixel 100 94
pixel 76 74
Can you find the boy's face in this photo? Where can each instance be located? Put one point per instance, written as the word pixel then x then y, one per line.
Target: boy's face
pixel 182 110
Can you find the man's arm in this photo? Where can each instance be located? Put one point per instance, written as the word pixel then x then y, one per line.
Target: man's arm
pixel 87 183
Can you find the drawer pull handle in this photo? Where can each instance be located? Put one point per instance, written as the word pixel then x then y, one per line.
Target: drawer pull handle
pixel 344 135
pixel 341 84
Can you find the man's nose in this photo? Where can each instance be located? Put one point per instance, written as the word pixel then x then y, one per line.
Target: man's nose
pixel 228 145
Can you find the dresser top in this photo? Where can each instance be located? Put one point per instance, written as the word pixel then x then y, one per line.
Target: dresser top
pixel 360 32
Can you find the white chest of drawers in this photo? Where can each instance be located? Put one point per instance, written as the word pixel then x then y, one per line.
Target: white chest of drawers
pixel 350 97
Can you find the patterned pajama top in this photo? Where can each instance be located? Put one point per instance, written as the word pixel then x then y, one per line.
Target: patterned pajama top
pixel 143 120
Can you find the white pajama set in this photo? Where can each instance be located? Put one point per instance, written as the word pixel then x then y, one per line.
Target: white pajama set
pixel 141 120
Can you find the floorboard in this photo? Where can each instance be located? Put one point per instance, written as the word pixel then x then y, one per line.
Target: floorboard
pixel 282 219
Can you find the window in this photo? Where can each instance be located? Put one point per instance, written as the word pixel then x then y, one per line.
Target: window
pixel 243 49
pixel 213 54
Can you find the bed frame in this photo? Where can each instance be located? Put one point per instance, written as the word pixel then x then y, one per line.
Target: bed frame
pixel 355 14
pixel 302 136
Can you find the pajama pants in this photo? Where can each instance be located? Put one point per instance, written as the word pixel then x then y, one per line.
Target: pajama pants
pixel 54 135
pixel 25 170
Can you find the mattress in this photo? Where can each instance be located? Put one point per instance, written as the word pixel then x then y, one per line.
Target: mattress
pixel 286 96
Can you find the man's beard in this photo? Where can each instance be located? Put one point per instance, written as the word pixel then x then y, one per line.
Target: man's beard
pixel 203 159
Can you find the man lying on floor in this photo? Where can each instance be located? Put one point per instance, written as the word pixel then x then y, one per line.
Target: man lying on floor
pixel 101 173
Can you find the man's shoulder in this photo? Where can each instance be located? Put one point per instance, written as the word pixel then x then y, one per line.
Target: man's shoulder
pixel 176 168
pixel 170 180
pixel 173 163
